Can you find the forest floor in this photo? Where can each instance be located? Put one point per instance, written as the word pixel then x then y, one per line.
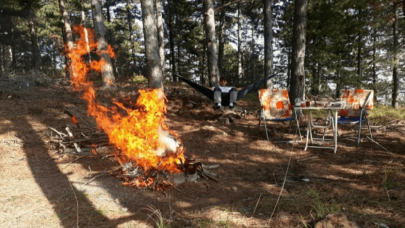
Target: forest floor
pixel 261 183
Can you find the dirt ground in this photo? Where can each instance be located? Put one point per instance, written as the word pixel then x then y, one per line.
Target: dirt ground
pixel 262 183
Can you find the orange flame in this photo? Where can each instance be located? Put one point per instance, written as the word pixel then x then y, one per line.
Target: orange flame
pixel 141 135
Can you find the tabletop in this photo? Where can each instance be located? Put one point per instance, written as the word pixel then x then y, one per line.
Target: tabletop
pixel 318 108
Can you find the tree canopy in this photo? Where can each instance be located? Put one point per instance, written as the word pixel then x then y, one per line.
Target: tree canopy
pixel 347 43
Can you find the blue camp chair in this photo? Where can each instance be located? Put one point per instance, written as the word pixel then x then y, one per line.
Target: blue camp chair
pixel 358 102
pixel 276 107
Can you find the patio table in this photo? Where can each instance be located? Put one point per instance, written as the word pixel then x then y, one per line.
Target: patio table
pixel 331 121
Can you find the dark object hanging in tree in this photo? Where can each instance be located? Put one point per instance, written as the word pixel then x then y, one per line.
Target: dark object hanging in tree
pixel 225 96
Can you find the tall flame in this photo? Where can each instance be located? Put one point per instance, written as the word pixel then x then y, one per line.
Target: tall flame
pixel 141 135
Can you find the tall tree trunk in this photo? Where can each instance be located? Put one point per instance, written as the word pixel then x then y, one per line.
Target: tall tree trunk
pixel 289 68
pixel 171 40
pixel 67 31
pixel 221 38
pixel 2 61
pixel 268 37
pixel 253 57
pixel 179 58
pixel 86 36
pixel 319 78
pixel 339 79
pixel 213 71
pixel 374 68
pixel 395 78
pixel 102 46
pixel 359 45
pixel 13 55
pixel 54 58
pixel 297 87
pixel 110 38
pixel 131 36
pixel 315 79
pixel 240 69
pixel 202 75
pixel 160 35
pixel 151 45
pixel 65 58
pixel 36 55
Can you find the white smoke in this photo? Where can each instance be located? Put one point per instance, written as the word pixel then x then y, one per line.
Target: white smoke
pixel 168 143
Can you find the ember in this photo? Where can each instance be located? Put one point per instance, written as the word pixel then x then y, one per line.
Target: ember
pixel 144 145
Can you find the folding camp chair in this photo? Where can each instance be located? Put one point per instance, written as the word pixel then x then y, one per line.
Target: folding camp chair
pixel 358 102
pixel 276 106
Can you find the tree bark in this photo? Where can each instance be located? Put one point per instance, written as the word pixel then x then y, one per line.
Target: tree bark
pixel 102 46
pixel 297 87
pixel 110 37
pixel 268 37
pixel 339 79
pixel 374 69
pixel 171 40
pixel 2 61
pixel 289 67
pixel 253 57
pixel 221 38
pixel 240 69
pixel 359 46
pixel 36 56
pixel 213 71
pixel 395 78
pixel 86 36
pixel 160 36
pixel 154 71
pixel 202 75
pixel 67 31
pixel 131 37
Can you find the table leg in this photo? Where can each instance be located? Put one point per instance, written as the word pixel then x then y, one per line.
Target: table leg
pixel 335 130
pixel 306 141
pixel 310 123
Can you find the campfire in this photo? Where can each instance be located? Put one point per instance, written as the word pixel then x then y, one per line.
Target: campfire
pixel 150 154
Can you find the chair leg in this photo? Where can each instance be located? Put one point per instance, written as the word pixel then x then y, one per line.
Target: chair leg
pixel 258 129
pixel 368 125
pixel 265 128
pixel 359 135
pixel 299 130
pixel 306 141
pixel 297 121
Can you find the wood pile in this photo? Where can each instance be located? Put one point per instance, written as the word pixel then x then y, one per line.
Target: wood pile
pixel 79 142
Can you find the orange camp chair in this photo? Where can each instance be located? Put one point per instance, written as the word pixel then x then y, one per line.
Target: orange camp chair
pixel 276 107
pixel 358 102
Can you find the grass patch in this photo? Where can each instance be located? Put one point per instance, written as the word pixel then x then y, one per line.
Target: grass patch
pixel 157 216
pixel 139 79
pixel 322 113
pixel 389 179
pixel 252 98
pixel 201 223
pixel 381 114
pixel 322 208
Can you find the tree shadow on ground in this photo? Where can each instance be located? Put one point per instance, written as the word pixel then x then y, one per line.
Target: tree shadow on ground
pixel 252 173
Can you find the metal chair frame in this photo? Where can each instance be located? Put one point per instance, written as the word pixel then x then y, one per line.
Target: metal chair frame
pixel 362 118
pixel 292 119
